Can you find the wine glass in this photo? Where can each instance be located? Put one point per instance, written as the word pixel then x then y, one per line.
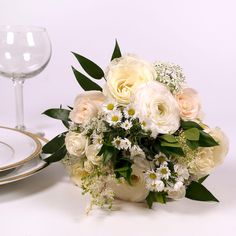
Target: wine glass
pixel 24 52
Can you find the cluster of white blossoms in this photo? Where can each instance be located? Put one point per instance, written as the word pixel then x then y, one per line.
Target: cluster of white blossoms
pixel 130 139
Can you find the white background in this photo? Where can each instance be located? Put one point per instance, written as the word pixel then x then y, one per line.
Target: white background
pixel 198 35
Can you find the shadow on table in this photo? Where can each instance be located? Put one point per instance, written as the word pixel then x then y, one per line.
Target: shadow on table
pixel 33 184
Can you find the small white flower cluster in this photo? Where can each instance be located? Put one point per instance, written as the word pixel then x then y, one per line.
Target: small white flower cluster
pixel 171 75
pixel 162 178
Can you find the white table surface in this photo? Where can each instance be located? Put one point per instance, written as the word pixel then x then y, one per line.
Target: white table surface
pixel 49 204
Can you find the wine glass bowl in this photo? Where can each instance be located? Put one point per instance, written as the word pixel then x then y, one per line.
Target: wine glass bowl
pixel 24 52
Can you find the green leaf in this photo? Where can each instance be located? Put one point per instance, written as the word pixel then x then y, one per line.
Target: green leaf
pixel 155 197
pixel 58 113
pixel 201 180
pixel 90 67
pixel 172 151
pixel 86 83
pixel 55 144
pixel 192 144
pixel 166 144
pixel 108 152
pixel 57 156
pixel 169 138
pixel 66 124
pixel 192 134
pixel 116 53
pixel 206 140
pixel 196 191
pixel 190 124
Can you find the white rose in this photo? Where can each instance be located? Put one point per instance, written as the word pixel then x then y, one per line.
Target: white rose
pixel 124 74
pixel 136 192
pixel 156 105
pixel 86 106
pixel 77 172
pixel 88 166
pixel 189 104
pixel 76 143
pixel 92 153
pixel 219 152
pixel 177 194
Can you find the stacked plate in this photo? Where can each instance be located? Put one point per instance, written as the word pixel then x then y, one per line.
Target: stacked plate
pixel 19 155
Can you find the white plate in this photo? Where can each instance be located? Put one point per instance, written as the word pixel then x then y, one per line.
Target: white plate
pixel 16 148
pixel 28 169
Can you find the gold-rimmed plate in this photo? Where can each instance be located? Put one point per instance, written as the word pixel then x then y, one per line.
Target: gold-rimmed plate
pixel 26 170
pixel 17 147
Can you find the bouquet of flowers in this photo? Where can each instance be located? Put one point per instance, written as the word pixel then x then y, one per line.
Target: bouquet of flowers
pixel 139 138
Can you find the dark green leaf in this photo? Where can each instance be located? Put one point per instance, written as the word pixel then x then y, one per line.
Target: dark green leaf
pixel 192 144
pixel 190 124
pixel 166 144
pixel 55 144
pixel 108 152
pixel 196 191
pixel 169 138
pixel 206 140
pixel 201 180
pixel 57 156
pixel 192 134
pixel 85 83
pixel 172 151
pixel 90 67
pixel 66 124
pixel 58 113
pixel 155 197
pixel 116 53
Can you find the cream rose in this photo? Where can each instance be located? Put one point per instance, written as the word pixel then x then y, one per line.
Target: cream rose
pixel 219 152
pixel 136 192
pixel 76 143
pixel 77 172
pixel 92 153
pixel 86 106
pixel 156 105
pixel 189 104
pixel 124 74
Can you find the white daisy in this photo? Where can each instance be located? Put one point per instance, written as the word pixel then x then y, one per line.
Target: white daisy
pixel 125 144
pixel 109 106
pixel 164 172
pixel 157 186
pixel 130 112
pixel 126 125
pixel 97 138
pixel 181 171
pixel 114 117
pixel 160 159
pixel 116 142
pixel 151 176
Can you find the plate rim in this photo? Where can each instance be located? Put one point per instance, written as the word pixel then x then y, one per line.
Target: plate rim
pixel 30 157
pixel 28 174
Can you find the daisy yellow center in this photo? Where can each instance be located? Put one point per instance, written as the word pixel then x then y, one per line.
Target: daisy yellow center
pixel 110 106
pixel 117 142
pixel 161 159
pixel 144 123
pixel 131 112
pixel 164 171
pixel 152 176
pixel 115 118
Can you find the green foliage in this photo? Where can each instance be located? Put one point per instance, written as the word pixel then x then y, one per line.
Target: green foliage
pixel 190 124
pixel 116 53
pixel 56 147
pixel 156 197
pixel 85 83
pixel 196 191
pixel 124 171
pixel 201 180
pixel 206 140
pixel 90 67
pixel 192 134
pixel 168 138
pixel 58 113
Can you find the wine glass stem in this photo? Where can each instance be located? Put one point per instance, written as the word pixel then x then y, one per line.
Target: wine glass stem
pixel 18 86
